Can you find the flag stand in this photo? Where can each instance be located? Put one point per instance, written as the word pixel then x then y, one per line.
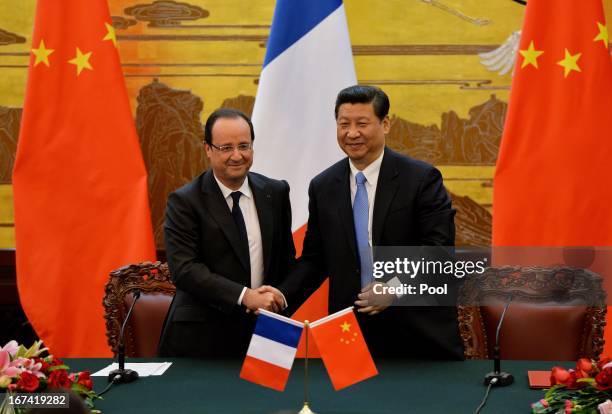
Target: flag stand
pixel 306 408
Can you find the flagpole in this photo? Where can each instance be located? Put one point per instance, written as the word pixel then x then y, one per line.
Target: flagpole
pixel 306 409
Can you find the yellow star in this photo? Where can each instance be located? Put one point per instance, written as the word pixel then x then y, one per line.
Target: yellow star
pixel 81 60
pixel 530 56
pixel 42 53
pixel 603 34
pixel 570 62
pixel 346 327
pixel 110 33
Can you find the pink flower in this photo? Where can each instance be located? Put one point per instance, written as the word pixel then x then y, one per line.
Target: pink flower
pixel 18 366
pixel 11 347
pixel 44 365
pixel 32 367
pixel 8 368
pixel 5 358
pixel 13 371
pixel 605 407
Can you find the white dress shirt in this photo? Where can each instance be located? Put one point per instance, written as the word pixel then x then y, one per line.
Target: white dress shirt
pixel 251 220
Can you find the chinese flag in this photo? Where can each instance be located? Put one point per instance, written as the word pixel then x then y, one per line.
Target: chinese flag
pixel 553 172
pixel 80 185
pixel 343 349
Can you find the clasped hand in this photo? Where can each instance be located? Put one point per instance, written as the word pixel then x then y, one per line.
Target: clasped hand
pixel 372 303
pixel 264 297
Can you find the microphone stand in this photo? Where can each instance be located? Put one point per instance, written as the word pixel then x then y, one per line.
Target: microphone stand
pixel 122 375
pixel 499 378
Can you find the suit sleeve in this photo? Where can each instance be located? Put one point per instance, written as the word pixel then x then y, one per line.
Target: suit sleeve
pixel 188 272
pixel 436 217
pixel 289 252
pixel 309 271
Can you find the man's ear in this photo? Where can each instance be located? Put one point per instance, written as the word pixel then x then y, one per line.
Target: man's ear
pixel 207 149
pixel 386 123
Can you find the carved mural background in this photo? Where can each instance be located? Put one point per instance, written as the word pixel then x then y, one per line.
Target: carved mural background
pixel 182 60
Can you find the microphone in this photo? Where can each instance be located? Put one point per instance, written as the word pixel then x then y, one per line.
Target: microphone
pixel 499 378
pixel 121 374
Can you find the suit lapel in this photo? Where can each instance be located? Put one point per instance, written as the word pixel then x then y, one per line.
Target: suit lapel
pixel 263 204
pixel 220 212
pixel 385 191
pixel 345 211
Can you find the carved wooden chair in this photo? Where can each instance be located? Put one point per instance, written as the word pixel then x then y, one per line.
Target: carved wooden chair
pixel 144 328
pixel 555 314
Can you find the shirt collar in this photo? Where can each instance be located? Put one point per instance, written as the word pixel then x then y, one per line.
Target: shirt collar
pixel 371 170
pixel 244 189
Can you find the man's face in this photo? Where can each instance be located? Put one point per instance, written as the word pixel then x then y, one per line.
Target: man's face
pixel 361 135
pixel 230 167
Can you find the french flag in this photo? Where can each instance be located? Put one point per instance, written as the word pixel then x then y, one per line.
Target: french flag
pixel 308 61
pixel 272 350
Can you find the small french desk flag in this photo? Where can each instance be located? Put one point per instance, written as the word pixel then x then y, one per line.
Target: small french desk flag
pixel 272 350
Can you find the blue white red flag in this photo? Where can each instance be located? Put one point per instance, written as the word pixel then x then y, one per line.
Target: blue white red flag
pixel 308 61
pixel 272 350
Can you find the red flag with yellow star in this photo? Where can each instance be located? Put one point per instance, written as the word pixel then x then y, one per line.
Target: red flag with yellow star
pixel 343 349
pixel 553 171
pixel 79 182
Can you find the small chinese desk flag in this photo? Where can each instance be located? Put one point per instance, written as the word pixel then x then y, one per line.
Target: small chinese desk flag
pixel 343 349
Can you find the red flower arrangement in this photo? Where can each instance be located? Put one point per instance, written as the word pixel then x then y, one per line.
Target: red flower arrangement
pixel 585 389
pixel 27 370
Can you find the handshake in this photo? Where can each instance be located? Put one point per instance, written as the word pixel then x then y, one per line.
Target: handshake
pixel 264 297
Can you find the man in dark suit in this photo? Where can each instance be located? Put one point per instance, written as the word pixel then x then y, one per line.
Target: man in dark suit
pixel 375 197
pixel 228 232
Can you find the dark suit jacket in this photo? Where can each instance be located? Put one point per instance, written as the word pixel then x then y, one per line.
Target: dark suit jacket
pixel 411 208
pixel 210 267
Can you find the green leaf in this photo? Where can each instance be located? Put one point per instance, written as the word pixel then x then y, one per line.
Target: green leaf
pixel 35 350
pixel 59 367
pixel 21 351
pixel 552 390
pixel 79 388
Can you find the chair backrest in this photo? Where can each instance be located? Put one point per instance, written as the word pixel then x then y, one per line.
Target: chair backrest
pixel 142 332
pixel 555 314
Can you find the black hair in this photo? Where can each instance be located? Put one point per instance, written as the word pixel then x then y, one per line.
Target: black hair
pixel 364 94
pixel 225 113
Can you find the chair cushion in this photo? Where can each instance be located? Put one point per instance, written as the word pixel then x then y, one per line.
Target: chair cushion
pixel 535 332
pixel 147 321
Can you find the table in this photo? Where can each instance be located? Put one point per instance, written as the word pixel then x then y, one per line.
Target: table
pixel 202 386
